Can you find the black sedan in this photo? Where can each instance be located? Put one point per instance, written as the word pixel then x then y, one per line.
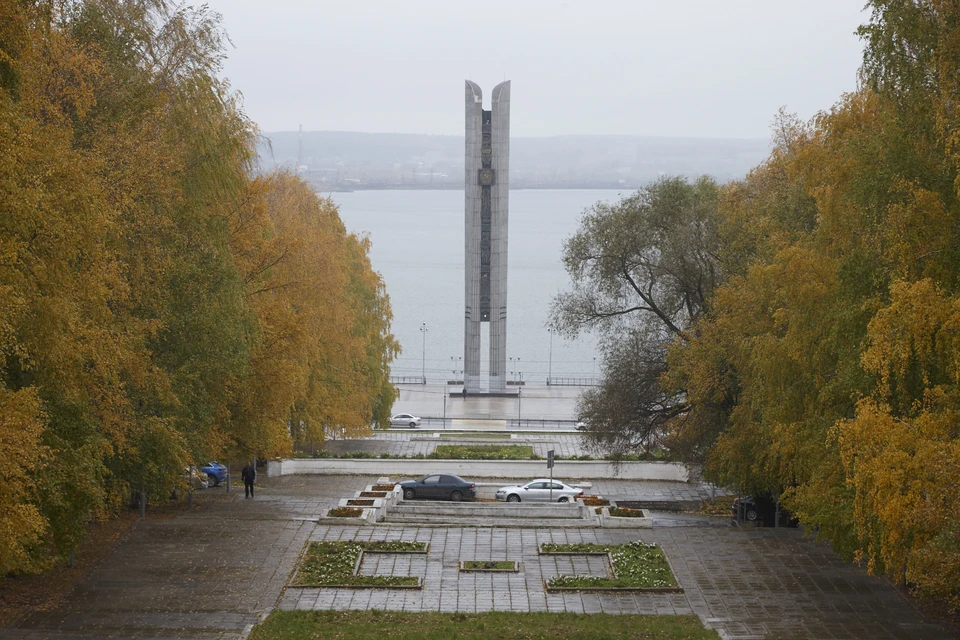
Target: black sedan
pixel 439 486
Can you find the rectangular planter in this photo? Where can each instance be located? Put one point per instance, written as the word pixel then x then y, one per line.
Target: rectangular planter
pixel 368 517
pixel 463 569
pixel 377 503
pixel 356 570
pixel 612 522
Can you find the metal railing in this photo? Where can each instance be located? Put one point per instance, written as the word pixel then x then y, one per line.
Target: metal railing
pixel 572 382
pixel 408 380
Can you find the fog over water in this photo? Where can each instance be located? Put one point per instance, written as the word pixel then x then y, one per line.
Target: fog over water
pixel 418 245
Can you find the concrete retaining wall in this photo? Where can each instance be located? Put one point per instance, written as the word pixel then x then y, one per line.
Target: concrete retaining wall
pixel 472 469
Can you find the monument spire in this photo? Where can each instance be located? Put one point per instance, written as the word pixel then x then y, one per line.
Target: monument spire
pixel 486 192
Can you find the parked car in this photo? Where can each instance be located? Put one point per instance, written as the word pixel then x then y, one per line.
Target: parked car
pixel 215 471
pixel 438 486
pixel 539 490
pixel 762 509
pixel 405 420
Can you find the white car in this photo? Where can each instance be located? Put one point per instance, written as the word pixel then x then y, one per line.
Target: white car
pixel 405 420
pixel 539 490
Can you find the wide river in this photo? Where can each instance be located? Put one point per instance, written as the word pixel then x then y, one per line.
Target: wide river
pixel 418 245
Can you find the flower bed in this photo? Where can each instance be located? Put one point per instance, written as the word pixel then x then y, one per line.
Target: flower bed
pixel 344 512
pixel 595 501
pixel 336 564
pixel 491 566
pixel 483 452
pixel 360 503
pixel 384 487
pixel 636 566
pixel 373 494
pixel 624 512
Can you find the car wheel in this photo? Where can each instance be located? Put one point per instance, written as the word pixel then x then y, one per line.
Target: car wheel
pixel 513 498
pixel 409 494
pixel 456 496
pixel 564 499
pixel 413 425
pixel 751 515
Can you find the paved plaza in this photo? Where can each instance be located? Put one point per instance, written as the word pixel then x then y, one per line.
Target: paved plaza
pixel 211 574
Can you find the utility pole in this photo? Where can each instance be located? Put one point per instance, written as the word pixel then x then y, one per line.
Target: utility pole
pixel 550 369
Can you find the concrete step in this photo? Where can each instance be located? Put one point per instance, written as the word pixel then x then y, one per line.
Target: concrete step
pixel 467 521
pixel 488 510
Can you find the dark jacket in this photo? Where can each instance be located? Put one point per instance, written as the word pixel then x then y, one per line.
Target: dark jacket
pixel 249 474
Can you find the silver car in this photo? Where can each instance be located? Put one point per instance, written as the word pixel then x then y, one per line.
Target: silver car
pixel 539 490
pixel 405 420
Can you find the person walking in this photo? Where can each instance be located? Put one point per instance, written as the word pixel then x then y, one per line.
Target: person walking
pixel 249 475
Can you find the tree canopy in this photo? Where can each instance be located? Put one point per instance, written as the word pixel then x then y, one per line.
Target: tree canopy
pixel 824 363
pixel 160 304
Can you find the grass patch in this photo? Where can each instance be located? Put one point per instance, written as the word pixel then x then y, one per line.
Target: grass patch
pixel 333 564
pixel 636 565
pixel 483 452
pixel 489 565
pixel 360 625
pixel 624 512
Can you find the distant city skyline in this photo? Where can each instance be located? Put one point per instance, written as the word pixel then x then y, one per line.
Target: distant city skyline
pixel 696 68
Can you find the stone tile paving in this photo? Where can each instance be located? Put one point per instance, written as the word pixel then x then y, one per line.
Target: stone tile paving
pixel 211 574
pixel 208 574
pixel 745 584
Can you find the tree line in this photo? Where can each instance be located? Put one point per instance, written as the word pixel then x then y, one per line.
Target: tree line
pixel 161 304
pixel 798 331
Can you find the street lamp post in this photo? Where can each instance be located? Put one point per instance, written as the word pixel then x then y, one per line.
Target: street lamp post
pixel 593 371
pixel 511 368
pixel 550 369
pixel 423 361
pixel 519 399
pixel 518 369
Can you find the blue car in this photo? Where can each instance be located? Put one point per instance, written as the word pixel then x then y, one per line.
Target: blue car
pixel 215 471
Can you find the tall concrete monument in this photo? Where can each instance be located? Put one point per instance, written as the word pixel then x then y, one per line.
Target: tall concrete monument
pixel 486 187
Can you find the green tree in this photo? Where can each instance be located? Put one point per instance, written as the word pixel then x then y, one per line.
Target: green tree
pixel 642 270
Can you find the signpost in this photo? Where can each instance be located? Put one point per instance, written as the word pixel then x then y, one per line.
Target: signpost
pixel 550 466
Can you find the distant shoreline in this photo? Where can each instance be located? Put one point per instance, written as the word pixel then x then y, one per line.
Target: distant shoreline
pixel 521 187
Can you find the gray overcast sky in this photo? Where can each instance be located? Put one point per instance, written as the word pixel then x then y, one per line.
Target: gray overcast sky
pixel 705 68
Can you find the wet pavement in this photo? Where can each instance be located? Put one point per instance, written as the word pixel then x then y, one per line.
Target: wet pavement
pixel 211 574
